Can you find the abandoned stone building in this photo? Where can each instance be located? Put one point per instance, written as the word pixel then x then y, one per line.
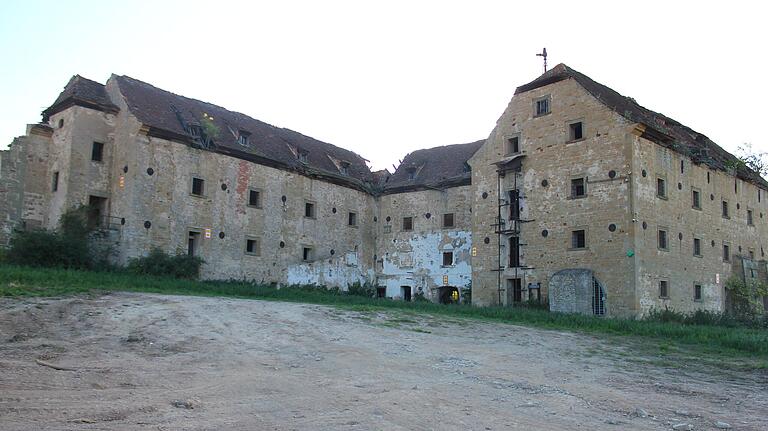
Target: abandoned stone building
pixel 579 196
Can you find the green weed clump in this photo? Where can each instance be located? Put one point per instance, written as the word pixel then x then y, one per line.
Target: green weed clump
pixel 159 263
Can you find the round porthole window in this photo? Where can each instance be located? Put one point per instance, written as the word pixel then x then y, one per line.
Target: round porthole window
pixel 612 227
pixel 428 215
pixel 333 252
pixel 283 198
pixel 611 174
pixel 389 219
pixel 150 171
pixel 487 240
pixel 375 219
pixel 485 195
pixel 645 225
pixel 545 233
pixel 122 221
pixel 221 235
pixel 125 169
pixel 333 210
pixel 223 187
pixel 282 244
pixel 544 183
pixel 679 186
pixel 645 174
pixel 147 224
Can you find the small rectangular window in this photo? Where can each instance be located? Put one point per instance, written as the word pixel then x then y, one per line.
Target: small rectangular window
pixel 344 168
pixel 252 246
pixel 726 213
pixel 198 186
pixel 407 223
pixel 254 198
pixel 663 289
pixel 513 145
pixel 242 137
pixel 448 220
pixel 306 254
pixel 697 247
pixel 542 106
pixel 661 188
pixel 751 254
pixel 697 292
pixel 578 188
pixel 309 210
pixel 750 221
pixel 352 219
pixel 97 152
pixel 662 242
pixel 447 258
pixel 575 131
pixel 726 253
pixel 579 239
pixel 696 199
pixel 55 181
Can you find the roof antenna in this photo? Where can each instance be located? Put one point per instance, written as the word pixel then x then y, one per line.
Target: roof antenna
pixel 544 54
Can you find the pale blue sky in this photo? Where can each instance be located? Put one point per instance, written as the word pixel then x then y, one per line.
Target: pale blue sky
pixel 386 78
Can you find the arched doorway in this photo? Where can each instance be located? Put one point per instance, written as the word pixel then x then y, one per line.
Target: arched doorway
pixel 598 298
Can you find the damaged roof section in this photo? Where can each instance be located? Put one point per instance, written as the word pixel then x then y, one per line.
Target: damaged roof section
pixel 659 128
pixel 434 168
pixel 84 92
pixel 163 112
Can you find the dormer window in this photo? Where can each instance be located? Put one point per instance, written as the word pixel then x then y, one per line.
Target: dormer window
pixel 195 130
pixel 302 155
pixel 412 172
pixel 344 168
pixel 242 137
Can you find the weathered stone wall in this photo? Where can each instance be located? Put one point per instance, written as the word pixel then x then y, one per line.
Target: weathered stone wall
pixel 675 214
pixel 24 184
pixel 571 291
pixel 415 258
pixel 550 162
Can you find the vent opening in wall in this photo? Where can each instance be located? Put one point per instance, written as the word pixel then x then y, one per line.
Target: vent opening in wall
pixel 223 187
pixel 389 219
pixel 428 215
pixel 222 235
pixel 612 227
pixel 487 240
pixel 125 169
pixel 150 171
pixel 644 173
pixel 611 174
pixel 645 225
pixel 333 252
pixel 147 224
pixel 545 233
pixel 544 183
pixel 375 219
pixel 333 210
pixel 485 195
pixel 122 221
pixel 282 244
pixel 283 198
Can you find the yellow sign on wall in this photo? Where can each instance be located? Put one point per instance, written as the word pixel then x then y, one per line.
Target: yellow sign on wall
pixel 122 181
pixel 207 233
pixel 474 251
pixel 445 280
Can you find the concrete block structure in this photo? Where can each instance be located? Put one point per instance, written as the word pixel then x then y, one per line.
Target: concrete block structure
pixel 579 196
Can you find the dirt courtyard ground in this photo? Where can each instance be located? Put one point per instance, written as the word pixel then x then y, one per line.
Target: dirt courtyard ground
pixel 140 361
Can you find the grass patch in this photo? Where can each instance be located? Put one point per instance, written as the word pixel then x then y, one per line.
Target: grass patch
pixel 667 336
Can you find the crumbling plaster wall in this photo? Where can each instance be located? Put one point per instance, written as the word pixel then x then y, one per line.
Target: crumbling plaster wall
pixel 415 258
pixel 550 162
pixel 683 223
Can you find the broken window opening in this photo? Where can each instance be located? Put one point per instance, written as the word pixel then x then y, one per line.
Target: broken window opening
pixel 696 198
pixel 344 168
pixel 306 254
pixel 513 145
pixel 697 247
pixel 578 188
pixel 97 210
pixel 412 172
pixel 243 137
pixel 447 258
pixel 448 220
pixel 662 240
pixel 407 223
pixel 663 289
pixel 252 246
pixel 661 188
pixel 579 239
pixel 254 198
pixel 514 204
pixel 302 155
pixel 575 131
pixel 97 152
pixel 198 186
pixel 514 252
pixel 309 210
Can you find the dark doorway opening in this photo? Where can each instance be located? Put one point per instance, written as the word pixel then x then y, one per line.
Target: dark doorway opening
pixel 449 295
pixel 598 298
pixel 406 292
pixel 97 210
pixel 381 292
pixel 514 291
pixel 193 243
